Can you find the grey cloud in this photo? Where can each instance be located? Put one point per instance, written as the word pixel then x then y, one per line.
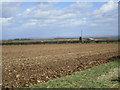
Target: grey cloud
pixel 10 9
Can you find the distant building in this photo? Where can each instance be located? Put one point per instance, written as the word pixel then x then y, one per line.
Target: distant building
pixel 90 39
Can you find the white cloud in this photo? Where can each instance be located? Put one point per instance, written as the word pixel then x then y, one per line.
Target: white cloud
pixel 66 16
pixel 106 15
pixel 45 5
pixel 44 13
pixel 46 10
pixel 50 21
pixel 79 6
pixel 5 21
pixel 109 7
pixel 71 23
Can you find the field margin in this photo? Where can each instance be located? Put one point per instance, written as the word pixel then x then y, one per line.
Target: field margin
pixel 85 79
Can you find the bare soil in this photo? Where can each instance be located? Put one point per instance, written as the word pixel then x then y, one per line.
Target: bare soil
pixel 25 65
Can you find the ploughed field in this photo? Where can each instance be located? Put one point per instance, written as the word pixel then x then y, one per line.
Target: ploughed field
pixel 25 65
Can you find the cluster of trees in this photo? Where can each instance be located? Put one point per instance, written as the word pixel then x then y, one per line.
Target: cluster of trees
pixel 19 39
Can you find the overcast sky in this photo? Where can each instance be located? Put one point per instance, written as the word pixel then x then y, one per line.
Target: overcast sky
pixel 59 19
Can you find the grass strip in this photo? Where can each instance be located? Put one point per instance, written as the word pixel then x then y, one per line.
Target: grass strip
pixel 96 77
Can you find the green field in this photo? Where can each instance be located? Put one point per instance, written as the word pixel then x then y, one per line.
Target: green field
pixel 103 76
pixel 53 41
pixel 36 40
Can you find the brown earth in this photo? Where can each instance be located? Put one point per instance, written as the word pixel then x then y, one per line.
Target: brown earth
pixel 25 65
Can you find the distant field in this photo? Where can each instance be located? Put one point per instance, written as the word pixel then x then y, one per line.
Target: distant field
pixel 53 41
pixel 37 40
